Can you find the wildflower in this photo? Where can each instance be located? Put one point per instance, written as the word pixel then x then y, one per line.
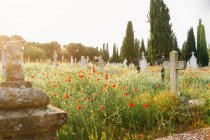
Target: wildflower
pixel 139 136
pixel 66 96
pixel 131 104
pixel 105 85
pixel 54 94
pixel 55 85
pixel 209 85
pixel 126 94
pixel 102 107
pixel 157 85
pixel 32 76
pixel 98 79
pixel 146 105
pixel 79 107
pixel 81 76
pixel 114 85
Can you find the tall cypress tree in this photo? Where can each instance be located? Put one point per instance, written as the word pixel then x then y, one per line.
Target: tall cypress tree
pixel 184 52
pixel 142 48
pixel 190 44
pixel 114 55
pixel 203 58
pixel 175 47
pixel 137 48
pixel 127 50
pixel 161 34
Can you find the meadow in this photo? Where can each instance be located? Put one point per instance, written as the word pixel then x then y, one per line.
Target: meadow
pixel 125 104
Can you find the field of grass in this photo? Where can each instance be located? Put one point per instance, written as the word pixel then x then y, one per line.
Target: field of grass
pixel 124 105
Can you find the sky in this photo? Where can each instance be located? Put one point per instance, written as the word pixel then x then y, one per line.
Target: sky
pixel 94 22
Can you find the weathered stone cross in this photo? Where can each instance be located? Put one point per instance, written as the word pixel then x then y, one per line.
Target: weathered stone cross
pixel 174 65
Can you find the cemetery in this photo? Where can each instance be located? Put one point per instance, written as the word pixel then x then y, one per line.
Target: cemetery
pixel 147 86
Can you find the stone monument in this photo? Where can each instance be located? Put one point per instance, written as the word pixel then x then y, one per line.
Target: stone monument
pixel 25 113
pixel 143 63
pixel 174 65
pixel 3 60
pixel 192 62
pixel 125 63
pixel 55 56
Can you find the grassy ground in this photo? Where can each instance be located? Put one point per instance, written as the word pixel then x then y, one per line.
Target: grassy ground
pixel 124 105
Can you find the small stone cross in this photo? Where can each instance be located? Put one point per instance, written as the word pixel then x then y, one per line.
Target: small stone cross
pixel 174 65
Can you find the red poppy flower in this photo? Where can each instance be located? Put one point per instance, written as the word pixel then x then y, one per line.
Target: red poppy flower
pixel 146 105
pixel 55 85
pixel 66 96
pixel 79 107
pixel 98 79
pixel 54 94
pixel 131 104
pixel 158 85
pixel 126 94
pixel 105 85
pixel 81 76
pixel 32 76
pixel 102 107
pixel 114 85
pixel 209 85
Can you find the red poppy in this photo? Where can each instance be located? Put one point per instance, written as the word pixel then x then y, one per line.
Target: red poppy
pixel 79 107
pixel 146 105
pixel 105 85
pixel 32 76
pixel 158 85
pixel 126 94
pixel 114 85
pixel 102 107
pixel 98 79
pixel 131 104
pixel 54 94
pixel 68 80
pixel 55 85
pixel 81 76
pixel 139 136
pixel 209 85
pixel 66 96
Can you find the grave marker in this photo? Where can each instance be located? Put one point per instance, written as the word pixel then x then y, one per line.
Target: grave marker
pixel 55 56
pixel 174 65
pixel 25 112
pixel 4 61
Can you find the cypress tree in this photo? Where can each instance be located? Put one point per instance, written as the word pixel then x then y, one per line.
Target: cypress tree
pixel 127 50
pixel 161 34
pixel 142 48
pixel 203 58
pixel 190 47
pixel 137 48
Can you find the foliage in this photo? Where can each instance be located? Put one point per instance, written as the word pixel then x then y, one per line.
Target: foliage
pixel 161 34
pixel 34 53
pixel 203 57
pixel 125 105
pixel 127 49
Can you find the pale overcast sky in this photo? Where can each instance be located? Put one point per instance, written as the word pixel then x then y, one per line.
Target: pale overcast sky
pixel 94 22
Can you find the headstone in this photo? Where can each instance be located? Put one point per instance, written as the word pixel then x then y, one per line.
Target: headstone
pixel 125 63
pixel 25 112
pixel 174 65
pixel 192 63
pixel 55 57
pixel 101 63
pixel 72 61
pixel 143 63
pixel 82 62
pixel 75 61
pixel 62 59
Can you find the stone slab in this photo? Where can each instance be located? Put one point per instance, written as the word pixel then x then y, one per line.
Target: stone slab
pixel 22 98
pixel 31 123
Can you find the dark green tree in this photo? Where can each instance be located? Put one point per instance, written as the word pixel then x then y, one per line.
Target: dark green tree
pixel 161 34
pixel 137 48
pixel 142 48
pixel 184 50
pixel 175 47
pixel 127 49
pixel 114 54
pixel 203 58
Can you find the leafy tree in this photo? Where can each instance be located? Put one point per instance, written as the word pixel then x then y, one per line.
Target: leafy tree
pixel 127 49
pixel 34 53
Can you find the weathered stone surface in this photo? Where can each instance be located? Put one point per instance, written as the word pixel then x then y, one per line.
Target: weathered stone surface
pixel 16 84
pixel 22 98
pixel 14 54
pixel 31 123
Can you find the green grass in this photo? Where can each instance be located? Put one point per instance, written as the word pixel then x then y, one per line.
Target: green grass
pixel 127 105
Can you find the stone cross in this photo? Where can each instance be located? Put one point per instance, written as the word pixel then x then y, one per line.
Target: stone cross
pixel 62 59
pixel 72 60
pixel 82 62
pixel 174 65
pixel 55 56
